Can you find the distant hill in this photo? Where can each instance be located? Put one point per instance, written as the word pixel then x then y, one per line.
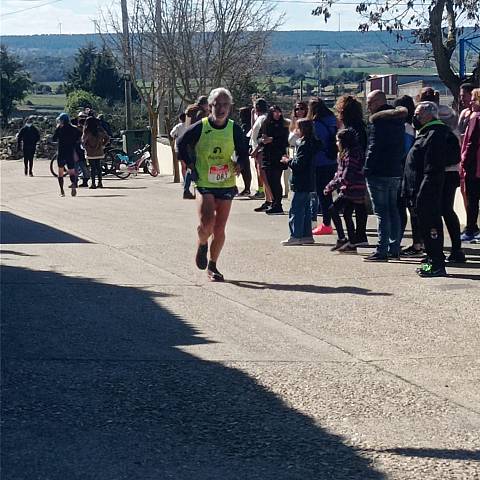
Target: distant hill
pixel 49 57
pixel 284 43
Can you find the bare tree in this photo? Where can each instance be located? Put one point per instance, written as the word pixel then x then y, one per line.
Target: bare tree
pixel 209 43
pixel 176 50
pixel 136 50
pixel 438 22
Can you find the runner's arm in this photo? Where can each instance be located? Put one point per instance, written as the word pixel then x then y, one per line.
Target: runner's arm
pixel 186 143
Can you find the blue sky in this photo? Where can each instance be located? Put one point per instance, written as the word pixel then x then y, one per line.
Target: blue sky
pixel 76 16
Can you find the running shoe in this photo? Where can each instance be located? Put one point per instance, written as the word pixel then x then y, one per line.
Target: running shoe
pixel 213 274
pixel 457 256
pixel 347 248
pixel 468 237
pixel 412 252
pixel 275 211
pixel 376 257
pixel 363 243
pixel 263 207
pixel 427 270
pixel 244 193
pixel 188 195
pixel 258 196
pixel 322 230
pixel 201 259
pixel 292 241
pixel 340 243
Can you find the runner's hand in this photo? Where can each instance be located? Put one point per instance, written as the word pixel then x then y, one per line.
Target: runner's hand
pixel 238 169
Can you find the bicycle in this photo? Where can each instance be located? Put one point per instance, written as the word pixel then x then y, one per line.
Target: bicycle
pixel 122 165
pixel 106 163
pixel 54 168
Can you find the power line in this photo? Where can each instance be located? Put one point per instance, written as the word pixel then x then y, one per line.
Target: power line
pixel 29 8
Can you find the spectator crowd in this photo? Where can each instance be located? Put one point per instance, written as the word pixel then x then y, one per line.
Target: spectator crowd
pixel 406 161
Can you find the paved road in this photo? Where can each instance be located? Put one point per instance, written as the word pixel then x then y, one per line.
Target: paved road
pixel 120 361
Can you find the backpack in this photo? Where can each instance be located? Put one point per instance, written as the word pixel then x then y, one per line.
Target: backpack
pixel 331 149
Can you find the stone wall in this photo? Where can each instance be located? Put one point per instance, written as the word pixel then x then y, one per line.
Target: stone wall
pixel 8 141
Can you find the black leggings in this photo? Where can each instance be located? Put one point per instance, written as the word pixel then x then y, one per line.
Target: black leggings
pixel 247 176
pixel 403 206
pixel 452 182
pixel 95 170
pixel 355 234
pixel 472 189
pixel 274 178
pixel 28 160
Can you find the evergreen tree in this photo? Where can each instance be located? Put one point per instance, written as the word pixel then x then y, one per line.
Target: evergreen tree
pixel 95 72
pixel 14 83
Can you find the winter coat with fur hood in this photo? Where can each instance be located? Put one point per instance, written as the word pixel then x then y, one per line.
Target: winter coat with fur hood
pixel 386 142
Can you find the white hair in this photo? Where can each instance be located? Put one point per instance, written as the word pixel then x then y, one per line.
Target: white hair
pixel 429 107
pixel 219 92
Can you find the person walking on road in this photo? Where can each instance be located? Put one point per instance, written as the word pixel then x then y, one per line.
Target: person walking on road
pixel 214 140
pixel 94 139
pixel 27 140
pixel 67 137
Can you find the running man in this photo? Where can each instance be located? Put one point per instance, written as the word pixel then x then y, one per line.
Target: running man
pixel 67 137
pixel 207 148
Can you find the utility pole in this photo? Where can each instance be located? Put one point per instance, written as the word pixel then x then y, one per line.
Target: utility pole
pixel 319 64
pixel 126 66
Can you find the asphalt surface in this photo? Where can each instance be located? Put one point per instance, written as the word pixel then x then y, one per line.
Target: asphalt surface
pixel 121 361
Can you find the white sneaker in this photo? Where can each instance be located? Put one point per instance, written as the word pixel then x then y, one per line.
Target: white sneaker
pixel 292 241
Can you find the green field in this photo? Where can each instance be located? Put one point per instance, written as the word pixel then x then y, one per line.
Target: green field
pixel 44 104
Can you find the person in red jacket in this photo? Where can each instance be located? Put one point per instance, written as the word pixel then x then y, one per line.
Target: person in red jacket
pixel 470 169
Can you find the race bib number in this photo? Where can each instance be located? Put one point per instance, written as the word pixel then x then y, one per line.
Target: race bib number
pixel 218 173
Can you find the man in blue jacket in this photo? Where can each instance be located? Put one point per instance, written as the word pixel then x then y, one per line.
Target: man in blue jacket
pixel 383 170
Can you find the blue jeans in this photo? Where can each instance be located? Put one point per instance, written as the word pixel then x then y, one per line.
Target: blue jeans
pixel 300 217
pixel 187 181
pixel 384 191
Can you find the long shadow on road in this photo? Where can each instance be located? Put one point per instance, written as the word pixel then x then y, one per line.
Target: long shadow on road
pixel 307 288
pixel 95 386
pixel 16 230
